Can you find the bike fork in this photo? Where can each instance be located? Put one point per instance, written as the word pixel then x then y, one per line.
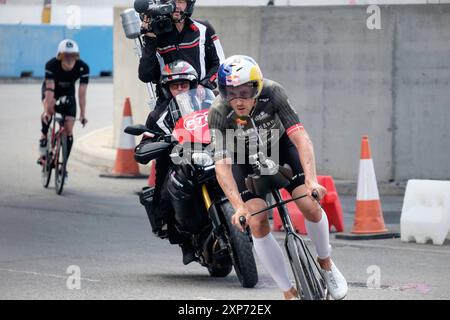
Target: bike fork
pixel 290 232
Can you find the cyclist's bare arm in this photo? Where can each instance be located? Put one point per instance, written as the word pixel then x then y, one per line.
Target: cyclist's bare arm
pixel 226 181
pixel 82 100
pixel 300 138
pixel 49 100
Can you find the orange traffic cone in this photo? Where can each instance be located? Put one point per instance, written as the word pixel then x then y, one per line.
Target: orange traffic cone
pixel 368 213
pixel 369 221
pixel 125 166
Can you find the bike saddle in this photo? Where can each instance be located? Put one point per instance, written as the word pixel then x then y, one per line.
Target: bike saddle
pixel 261 185
pixel 60 120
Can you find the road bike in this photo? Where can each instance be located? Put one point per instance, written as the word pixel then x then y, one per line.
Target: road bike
pixel 309 279
pixel 55 156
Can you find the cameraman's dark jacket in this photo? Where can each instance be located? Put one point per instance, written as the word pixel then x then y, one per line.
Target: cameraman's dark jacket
pixel 196 44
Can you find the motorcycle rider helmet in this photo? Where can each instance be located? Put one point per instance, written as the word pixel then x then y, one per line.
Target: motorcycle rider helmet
pixel 67 46
pixel 178 71
pixel 239 76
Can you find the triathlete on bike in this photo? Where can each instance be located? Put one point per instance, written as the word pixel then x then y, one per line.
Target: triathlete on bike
pixel 247 100
pixel 58 91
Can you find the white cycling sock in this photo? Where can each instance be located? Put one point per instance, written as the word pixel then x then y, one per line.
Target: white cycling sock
pixel 319 234
pixel 272 258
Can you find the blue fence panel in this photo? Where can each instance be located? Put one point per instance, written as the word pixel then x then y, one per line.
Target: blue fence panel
pixel 96 47
pixel 26 48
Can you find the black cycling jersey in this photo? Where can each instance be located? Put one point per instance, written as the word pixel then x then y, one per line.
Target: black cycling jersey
pixel 272 111
pixel 65 80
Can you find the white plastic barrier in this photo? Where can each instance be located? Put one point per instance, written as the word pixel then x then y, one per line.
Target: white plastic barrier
pixel 426 211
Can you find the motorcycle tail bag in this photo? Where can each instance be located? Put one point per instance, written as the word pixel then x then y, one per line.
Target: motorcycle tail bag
pixel 146 199
pixel 146 196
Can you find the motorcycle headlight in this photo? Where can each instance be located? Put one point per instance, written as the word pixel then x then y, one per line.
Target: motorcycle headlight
pixel 202 159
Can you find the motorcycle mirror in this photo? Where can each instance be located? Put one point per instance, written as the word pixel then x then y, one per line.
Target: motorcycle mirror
pixel 136 129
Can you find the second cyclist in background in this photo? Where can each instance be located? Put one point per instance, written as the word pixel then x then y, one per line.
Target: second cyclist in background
pixel 58 91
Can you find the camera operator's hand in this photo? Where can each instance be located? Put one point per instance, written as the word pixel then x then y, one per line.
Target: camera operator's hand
pixel 145 26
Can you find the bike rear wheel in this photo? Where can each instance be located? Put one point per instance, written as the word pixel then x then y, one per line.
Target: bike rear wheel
pixel 309 282
pixel 60 164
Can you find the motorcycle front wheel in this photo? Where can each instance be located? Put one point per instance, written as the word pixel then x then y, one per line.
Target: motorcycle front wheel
pixel 240 250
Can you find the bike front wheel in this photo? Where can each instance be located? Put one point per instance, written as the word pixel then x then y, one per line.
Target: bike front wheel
pixel 47 167
pixel 309 282
pixel 61 164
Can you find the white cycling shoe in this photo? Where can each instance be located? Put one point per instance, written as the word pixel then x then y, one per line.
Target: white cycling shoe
pixel 336 283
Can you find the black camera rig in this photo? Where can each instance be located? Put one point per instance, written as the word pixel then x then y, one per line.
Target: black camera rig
pixel 159 13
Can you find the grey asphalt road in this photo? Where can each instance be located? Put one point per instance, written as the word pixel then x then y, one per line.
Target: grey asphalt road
pixel 98 226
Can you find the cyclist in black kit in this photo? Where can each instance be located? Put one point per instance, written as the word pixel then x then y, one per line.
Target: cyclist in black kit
pixel 58 91
pixel 247 102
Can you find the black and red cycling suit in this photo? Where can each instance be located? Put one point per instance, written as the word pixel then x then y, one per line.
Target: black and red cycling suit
pixel 65 83
pixel 272 111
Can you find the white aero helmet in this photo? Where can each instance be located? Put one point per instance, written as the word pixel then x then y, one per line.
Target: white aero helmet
pixel 67 46
pixel 239 76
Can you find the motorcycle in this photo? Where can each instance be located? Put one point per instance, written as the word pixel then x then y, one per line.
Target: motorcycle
pixel 202 213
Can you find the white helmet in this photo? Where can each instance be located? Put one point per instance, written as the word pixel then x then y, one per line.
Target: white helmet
pixel 67 46
pixel 237 71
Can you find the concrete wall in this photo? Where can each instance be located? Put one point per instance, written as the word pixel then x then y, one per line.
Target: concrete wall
pixel 422 93
pixel 337 74
pixel 118 3
pixel 346 80
pixel 100 12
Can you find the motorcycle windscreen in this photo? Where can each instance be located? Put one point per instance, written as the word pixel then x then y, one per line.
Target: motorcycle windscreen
pixel 190 114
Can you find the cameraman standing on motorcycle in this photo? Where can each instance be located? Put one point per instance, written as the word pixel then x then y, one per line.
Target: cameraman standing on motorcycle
pixel 184 39
pixel 168 39
pixel 248 102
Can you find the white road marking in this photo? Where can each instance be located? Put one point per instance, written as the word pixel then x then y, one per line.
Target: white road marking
pixel 45 274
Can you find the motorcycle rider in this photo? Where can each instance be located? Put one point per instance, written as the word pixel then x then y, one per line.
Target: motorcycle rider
pixel 176 78
pixel 249 101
